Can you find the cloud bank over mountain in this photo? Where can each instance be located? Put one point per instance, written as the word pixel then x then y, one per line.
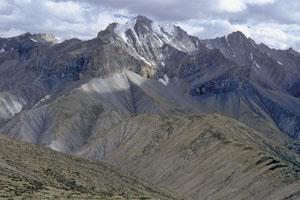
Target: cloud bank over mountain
pixel 274 22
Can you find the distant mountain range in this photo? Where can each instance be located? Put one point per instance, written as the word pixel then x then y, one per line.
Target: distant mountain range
pixel 209 119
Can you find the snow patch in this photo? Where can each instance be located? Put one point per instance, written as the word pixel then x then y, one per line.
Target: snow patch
pixel 162 29
pixel 144 60
pixel 251 56
pixel 227 41
pixel 34 40
pixel 254 62
pixel 45 98
pixel 165 80
pixel 257 65
pixel 161 35
pixel 169 28
pixel 121 29
pixel 280 63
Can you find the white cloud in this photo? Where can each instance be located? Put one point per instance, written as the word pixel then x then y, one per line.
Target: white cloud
pixel 275 22
pixel 274 35
pixel 67 11
pixel 66 19
pixel 231 5
pixel 239 5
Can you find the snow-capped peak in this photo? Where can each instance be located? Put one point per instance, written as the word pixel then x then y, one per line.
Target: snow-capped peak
pixel 146 38
pixel 121 29
pixel 161 32
pixel 144 29
pixel 163 29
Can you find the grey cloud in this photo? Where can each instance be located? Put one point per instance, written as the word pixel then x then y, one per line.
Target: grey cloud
pixel 167 10
pixel 281 11
pixel 206 19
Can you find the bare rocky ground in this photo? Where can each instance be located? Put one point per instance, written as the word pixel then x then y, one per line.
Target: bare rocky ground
pixel 200 157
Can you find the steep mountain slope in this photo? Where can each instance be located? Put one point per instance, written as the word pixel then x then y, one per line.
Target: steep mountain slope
pixel 69 121
pixel 288 58
pixel 32 70
pixel 272 75
pixel 17 84
pixel 32 172
pixel 146 39
pixel 201 157
pixel 279 67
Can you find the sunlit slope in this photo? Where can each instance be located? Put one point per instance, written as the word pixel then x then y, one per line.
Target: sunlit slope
pixel 201 157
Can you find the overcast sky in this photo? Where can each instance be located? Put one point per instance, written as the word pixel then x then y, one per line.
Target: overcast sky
pixel 274 22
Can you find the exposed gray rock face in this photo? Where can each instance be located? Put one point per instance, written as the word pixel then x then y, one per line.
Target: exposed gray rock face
pixel 69 121
pixel 276 72
pixel 280 67
pixel 147 38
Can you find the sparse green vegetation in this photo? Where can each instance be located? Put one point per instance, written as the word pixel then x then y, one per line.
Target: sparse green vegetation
pixel 31 172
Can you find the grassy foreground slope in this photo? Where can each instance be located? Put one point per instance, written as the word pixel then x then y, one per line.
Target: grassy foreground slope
pixel 32 172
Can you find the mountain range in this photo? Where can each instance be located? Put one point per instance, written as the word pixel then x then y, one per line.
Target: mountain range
pixel 210 119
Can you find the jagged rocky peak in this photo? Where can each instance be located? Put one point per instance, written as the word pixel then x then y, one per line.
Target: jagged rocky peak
pixel 139 26
pixel 179 31
pixel 142 21
pixel 293 51
pixel 24 36
pixel 238 35
pixel 239 39
pixel 135 24
pixel 111 27
pixel 147 37
pixel 232 40
pixel 237 47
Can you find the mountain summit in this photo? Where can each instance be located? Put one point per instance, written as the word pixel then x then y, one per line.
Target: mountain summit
pixel 147 38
